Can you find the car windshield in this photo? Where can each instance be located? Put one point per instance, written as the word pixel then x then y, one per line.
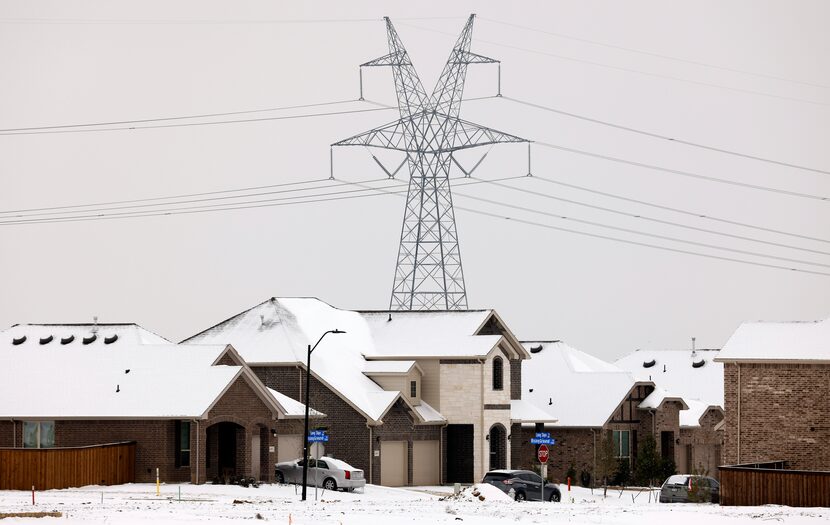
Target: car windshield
pixel 677 480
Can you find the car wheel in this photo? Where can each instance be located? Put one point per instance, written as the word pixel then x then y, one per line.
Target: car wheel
pixel 555 496
pixel 280 478
pixel 330 484
pixel 520 496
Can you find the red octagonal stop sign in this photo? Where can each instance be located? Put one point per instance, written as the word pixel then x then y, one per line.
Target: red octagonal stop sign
pixel 543 454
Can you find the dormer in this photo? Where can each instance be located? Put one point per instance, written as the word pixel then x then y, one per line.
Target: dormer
pixel 397 376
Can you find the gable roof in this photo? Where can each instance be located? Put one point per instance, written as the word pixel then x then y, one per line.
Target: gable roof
pixel 779 341
pixel 120 379
pixel 690 375
pixel 578 389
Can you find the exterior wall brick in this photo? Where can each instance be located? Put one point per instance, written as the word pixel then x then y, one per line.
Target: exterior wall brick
pixel 702 445
pixel 574 446
pixel 515 379
pixel 783 414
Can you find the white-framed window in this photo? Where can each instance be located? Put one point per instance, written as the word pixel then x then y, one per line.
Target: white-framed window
pixel 38 434
pixel 498 373
pixel 622 444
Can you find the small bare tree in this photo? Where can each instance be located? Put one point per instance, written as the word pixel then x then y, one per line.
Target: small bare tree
pixel 607 463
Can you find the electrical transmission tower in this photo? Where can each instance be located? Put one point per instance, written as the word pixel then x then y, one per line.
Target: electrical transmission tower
pixel 428 275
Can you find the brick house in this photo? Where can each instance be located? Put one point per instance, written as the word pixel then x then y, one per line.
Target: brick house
pixel 399 389
pixel 195 412
pixel 590 398
pixel 777 386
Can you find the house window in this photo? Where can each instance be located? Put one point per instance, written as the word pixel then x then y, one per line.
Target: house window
pixel 498 374
pixel 38 434
pixel 182 443
pixel 622 448
pixel 413 389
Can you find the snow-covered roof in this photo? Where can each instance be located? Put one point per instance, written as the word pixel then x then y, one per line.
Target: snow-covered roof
pixel 523 411
pixel 692 376
pixel 278 331
pixel 428 414
pixel 293 408
pixel 124 381
pixel 697 409
pixel 779 341
pixel 72 335
pixel 447 334
pixel 389 367
pixel 659 396
pixel 577 389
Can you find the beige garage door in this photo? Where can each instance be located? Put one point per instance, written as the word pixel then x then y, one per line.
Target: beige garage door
pixel 393 463
pixel 289 448
pixel 426 462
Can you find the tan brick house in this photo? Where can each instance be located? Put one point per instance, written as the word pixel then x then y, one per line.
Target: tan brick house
pixel 195 412
pixel 399 389
pixel 777 393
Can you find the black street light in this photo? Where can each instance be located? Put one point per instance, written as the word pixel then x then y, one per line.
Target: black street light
pixel 307 390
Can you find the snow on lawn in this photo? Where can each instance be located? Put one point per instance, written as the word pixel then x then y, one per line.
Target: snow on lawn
pixel 137 503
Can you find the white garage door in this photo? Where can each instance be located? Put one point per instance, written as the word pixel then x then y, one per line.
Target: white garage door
pixel 426 462
pixel 393 463
pixel 289 447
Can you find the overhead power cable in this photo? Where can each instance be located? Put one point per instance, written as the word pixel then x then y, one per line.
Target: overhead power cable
pixel 127 21
pixel 653 54
pixel 677 210
pixel 627 69
pixel 650 219
pixel 180 117
pixel 665 137
pixel 685 173
pixel 188 124
pixel 626 241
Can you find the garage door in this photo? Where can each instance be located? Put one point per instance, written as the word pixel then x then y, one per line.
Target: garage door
pixel 289 448
pixel 426 461
pixel 393 463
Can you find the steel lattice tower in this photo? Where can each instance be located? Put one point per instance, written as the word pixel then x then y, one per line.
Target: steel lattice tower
pixel 428 274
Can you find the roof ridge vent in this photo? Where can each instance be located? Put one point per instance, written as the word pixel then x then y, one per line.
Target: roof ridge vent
pixel 68 339
pixel 649 364
pixel 19 340
pixel 46 340
pixel 535 349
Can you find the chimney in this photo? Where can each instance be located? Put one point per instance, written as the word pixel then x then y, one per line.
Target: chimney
pixel 95 324
pixel 694 351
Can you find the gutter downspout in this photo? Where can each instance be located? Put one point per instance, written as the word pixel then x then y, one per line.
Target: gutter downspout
pixel 197 451
pixel 441 463
pixel 739 413
pixel 483 438
pixel 371 455
pixel 594 439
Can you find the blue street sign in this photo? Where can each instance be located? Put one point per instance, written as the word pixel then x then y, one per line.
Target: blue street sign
pixel 543 435
pixel 542 440
pixel 318 436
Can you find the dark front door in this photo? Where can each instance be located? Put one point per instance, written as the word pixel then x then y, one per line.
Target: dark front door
pixel 227 449
pixel 459 453
pixel 498 447
pixel 667 445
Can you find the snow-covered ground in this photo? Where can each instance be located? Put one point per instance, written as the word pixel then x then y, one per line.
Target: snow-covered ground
pixel 137 503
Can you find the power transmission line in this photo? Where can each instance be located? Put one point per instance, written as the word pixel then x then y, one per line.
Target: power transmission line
pixel 630 70
pixel 624 241
pixel 181 117
pixel 653 54
pixel 211 123
pixel 665 137
pixel 652 219
pixel 126 21
pixel 685 173
pixel 677 210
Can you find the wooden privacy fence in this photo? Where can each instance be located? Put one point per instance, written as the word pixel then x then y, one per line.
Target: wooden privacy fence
pixel 60 468
pixel 770 483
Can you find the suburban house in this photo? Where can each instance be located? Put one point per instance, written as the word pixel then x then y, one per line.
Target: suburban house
pixel 399 389
pixel 777 387
pixel 591 398
pixel 195 412
pixel 696 378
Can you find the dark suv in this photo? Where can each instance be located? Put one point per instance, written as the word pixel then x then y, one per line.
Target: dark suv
pixel 684 488
pixel 526 485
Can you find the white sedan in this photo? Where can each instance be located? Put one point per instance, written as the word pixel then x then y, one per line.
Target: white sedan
pixel 330 473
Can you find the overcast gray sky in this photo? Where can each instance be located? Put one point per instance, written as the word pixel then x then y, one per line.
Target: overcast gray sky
pixel 66 62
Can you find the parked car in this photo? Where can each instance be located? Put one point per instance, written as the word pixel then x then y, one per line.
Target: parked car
pixel 685 488
pixel 329 473
pixel 525 484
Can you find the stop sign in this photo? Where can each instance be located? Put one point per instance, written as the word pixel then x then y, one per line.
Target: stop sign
pixel 542 453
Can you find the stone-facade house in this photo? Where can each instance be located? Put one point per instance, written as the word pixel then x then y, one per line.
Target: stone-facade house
pixel 591 398
pixel 195 412
pixel 399 389
pixel 777 393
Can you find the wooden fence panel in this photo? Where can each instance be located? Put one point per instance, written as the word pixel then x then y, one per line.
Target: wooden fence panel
pixel 59 468
pixel 745 485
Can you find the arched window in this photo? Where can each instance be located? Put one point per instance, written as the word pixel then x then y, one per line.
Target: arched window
pixel 498 373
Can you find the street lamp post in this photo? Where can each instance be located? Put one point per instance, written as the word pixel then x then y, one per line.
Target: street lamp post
pixel 307 390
